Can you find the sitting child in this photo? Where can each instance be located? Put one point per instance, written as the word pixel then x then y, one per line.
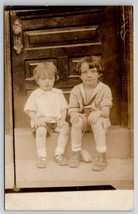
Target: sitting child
pixel 89 108
pixel 47 109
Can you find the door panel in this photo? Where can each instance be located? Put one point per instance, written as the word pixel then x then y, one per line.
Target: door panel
pixel 62 36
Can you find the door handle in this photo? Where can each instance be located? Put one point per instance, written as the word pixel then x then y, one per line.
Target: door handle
pixel 17 37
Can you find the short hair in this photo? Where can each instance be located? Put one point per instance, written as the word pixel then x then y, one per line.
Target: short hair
pixel 93 61
pixel 42 68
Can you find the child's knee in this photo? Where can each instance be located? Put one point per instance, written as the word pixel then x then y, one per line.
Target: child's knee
pixel 65 130
pixel 41 131
pixel 98 124
pixel 78 125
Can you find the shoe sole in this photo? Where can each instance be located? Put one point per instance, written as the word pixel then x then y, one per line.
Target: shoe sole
pixel 100 169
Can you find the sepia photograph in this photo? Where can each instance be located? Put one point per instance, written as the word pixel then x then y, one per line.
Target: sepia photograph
pixel 69 104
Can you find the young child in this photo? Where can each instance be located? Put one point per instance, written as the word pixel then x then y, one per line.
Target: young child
pixel 47 109
pixel 89 107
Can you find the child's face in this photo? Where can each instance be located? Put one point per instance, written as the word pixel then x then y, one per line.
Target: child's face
pixel 46 80
pixel 89 76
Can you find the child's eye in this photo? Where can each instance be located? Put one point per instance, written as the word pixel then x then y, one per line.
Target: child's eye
pixel 94 69
pixel 84 72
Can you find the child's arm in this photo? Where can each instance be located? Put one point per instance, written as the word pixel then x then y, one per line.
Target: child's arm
pixel 37 121
pixel 62 121
pixel 63 114
pixel 74 105
pixel 75 116
pixel 31 114
pixel 94 116
pixel 104 111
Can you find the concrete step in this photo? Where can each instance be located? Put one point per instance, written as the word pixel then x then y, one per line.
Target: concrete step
pixel 118 174
pixel 118 144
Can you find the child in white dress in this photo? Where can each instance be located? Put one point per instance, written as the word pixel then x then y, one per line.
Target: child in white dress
pixel 47 109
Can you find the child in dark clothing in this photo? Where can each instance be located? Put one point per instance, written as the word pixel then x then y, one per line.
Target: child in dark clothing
pixel 89 106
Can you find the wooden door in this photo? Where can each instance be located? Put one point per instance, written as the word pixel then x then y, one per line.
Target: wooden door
pixel 62 35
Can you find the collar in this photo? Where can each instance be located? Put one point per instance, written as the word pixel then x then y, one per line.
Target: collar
pixel 39 91
pixel 96 90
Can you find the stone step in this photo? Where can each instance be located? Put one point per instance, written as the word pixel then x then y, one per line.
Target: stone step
pixel 118 144
pixel 119 174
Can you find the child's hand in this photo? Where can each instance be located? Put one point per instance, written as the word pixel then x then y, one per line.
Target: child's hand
pixel 93 117
pixel 75 117
pixel 62 124
pixel 38 122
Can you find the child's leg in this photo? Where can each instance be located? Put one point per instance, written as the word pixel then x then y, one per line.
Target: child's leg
pixel 41 141
pixel 99 136
pixel 76 137
pixel 62 140
pixel 61 145
pixel 100 140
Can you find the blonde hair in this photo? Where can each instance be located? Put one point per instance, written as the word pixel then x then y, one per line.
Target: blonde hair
pixel 43 68
pixel 93 61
